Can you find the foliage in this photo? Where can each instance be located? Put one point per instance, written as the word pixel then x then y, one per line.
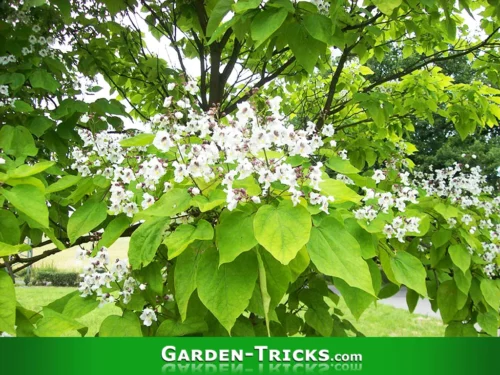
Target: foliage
pixel 379 320
pixel 439 145
pixel 249 189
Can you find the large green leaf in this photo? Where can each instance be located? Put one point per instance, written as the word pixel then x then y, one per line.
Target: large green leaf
pixel 186 266
pixel 63 183
pixel 127 325
pixel 489 322
pixel 387 6
pixel 266 23
pixel 7 303
pixel 278 277
pixel 340 165
pixel 85 218
pixel 305 48
pixel 235 235
pixel 339 191
pixel 491 293
pixel 218 13
pixel 409 271
pixel 317 314
pixel 215 198
pixel 186 234
pixel 176 328
pixel 9 228
pixel 29 170
pixel 6 249
pixel 139 140
pixel 43 80
pixel 336 253
pixel 17 141
pixel 282 230
pixel 450 300
pixel 463 280
pixel 244 5
pixel 226 290
pixel 76 307
pixel 30 201
pixel 357 300
pixel 170 203
pixel 113 231
pixel 319 27
pixel 145 241
pixel 460 257
pixel 264 294
pixel 367 241
pixel 54 324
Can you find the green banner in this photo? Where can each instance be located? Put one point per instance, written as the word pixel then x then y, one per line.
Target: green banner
pixel 93 356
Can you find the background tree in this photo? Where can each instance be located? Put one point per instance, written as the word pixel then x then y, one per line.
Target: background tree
pixel 439 145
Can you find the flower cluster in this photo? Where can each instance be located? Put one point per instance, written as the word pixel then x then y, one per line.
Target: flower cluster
pixel 462 188
pixel 490 255
pixel 231 151
pixel 99 275
pixel 401 226
pixel 111 282
pixel 322 5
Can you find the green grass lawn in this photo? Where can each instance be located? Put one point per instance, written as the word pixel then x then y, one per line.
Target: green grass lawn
pixel 380 320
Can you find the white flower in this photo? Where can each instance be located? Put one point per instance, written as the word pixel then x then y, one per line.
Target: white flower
pixel 148 316
pixel 466 219
pixel 162 141
pixel 178 115
pixel 147 201
pixel 274 104
pixel 167 186
pixel 2 161
pixel 255 199
pixel 170 86
pixel 106 299
pixel 192 87
pixel 388 231
pixel 168 101
pixel 328 130
pixel 130 209
pixel 195 191
pixel 142 287
pixel 378 176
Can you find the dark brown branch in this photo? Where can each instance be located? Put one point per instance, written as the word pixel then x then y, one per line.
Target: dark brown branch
pixel 82 240
pixel 232 106
pixel 363 24
pixel 428 61
pixel 333 87
pixel 170 36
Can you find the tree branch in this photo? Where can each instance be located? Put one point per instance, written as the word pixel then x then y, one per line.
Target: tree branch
pixel 232 106
pixel 333 87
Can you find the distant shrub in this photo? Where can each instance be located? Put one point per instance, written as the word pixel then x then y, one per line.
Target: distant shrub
pixel 55 277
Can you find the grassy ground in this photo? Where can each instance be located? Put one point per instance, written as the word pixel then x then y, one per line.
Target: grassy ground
pixel 387 321
pixel 378 320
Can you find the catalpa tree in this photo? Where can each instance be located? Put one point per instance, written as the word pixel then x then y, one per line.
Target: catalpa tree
pixel 258 164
